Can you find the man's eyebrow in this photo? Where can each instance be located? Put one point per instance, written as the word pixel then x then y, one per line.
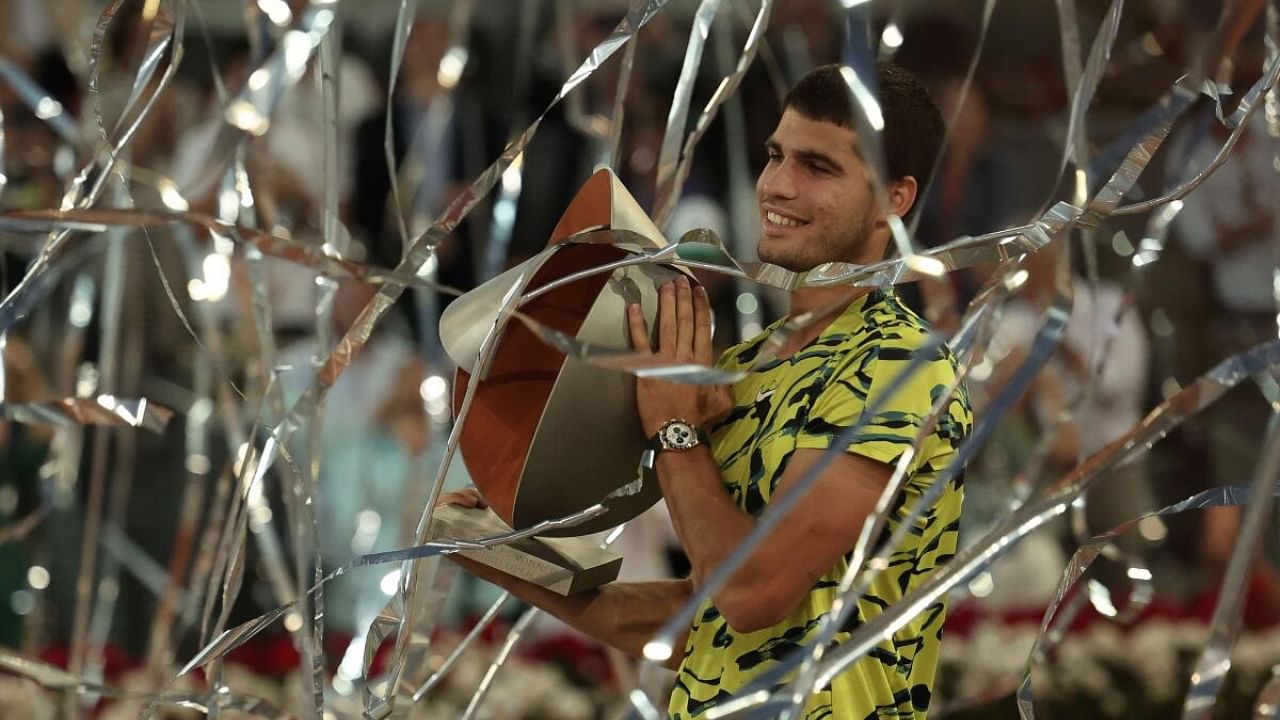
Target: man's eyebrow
pixel 813 156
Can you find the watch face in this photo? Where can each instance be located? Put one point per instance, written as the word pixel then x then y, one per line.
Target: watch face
pixel 678 435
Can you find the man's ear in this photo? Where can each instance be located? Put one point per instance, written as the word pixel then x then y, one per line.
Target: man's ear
pixel 902 195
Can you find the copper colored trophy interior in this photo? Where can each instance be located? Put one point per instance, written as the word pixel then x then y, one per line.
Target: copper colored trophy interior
pixel 508 404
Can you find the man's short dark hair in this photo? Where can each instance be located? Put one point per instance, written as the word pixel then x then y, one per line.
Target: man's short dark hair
pixel 913 126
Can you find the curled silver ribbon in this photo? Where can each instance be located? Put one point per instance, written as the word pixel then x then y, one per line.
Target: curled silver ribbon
pixel 103 410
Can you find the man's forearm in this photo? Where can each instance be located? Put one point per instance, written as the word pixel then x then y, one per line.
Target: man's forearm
pixel 709 524
pixel 623 615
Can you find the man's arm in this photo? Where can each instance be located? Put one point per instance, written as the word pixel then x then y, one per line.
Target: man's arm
pixel 624 616
pixel 822 527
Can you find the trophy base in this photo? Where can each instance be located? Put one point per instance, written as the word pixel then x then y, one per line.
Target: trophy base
pixel 564 566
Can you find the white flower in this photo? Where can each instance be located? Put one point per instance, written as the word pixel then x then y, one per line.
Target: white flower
pixel 1255 654
pixel 1079 671
pixel 1152 654
pixel 569 704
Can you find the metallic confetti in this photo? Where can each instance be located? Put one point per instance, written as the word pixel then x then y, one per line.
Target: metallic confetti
pixel 209 563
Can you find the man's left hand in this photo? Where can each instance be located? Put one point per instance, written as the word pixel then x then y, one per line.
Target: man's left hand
pixel 684 336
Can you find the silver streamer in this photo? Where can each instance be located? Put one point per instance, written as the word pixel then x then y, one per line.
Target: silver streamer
pixel 1231 496
pixel 728 86
pixel 57 679
pixel 1267 706
pixel 216 550
pixel 678 115
pixel 104 410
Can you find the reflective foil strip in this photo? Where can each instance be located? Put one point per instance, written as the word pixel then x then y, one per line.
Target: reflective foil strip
pixel 662 645
pixel 988 7
pixel 1083 85
pixel 316 258
pixel 665 192
pixel 423 248
pixel 1036 512
pixel 81 658
pixel 235 637
pixel 41 103
pixel 619 104
pixel 1267 706
pixel 308 562
pixel 465 644
pixel 859 73
pixel 55 678
pixel 1238 122
pixel 103 410
pixel 324 261
pixel 4 181
pixel 513 636
pixel 743 213
pixel 504 652
pixel 727 88
pixel 89 183
pixel 1045 342
pixel 503 217
pixel 1232 496
pixel 847 595
pixel 397 613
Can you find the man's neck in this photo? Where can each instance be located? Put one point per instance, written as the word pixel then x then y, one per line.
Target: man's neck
pixel 821 299
pixel 827 303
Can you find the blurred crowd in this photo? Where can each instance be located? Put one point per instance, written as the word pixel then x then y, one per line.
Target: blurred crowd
pixel 1154 307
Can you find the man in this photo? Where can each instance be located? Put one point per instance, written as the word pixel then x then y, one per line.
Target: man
pixel 767 430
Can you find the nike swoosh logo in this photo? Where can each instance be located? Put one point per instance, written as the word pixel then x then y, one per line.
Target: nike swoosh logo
pixel 763 394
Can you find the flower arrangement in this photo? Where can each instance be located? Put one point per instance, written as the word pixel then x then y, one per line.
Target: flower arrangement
pixel 1099 670
pixel 1102 671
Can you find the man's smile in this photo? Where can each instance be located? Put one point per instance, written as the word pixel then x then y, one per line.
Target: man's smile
pixel 778 220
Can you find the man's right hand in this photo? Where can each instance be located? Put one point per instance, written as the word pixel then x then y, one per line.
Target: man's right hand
pixel 467 498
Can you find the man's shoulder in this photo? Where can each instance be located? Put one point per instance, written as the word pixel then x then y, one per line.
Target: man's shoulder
pixel 893 332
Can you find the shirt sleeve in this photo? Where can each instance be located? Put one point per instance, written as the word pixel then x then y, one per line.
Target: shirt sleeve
pixel 875 390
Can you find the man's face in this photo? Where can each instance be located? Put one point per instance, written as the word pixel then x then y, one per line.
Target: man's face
pixel 816 204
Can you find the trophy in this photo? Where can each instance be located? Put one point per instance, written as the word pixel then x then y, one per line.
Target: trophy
pixel 547 435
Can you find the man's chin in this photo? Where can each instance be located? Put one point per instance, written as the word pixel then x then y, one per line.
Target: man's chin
pixel 787 263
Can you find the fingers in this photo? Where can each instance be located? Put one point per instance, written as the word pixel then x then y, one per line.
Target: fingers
pixel 701 326
pixel 638 329
pixel 668 333
pixel 681 311
pixel 684 317
pixel 467 498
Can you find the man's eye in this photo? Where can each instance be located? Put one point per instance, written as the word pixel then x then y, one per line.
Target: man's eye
pixel 775 157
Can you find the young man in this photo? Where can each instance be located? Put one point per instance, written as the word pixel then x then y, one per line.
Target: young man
pixel 766 431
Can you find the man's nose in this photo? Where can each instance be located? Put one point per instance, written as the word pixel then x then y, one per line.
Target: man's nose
pixel 778 181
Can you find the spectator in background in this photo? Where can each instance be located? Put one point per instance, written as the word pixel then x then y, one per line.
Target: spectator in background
pixel 23 448
pixel 1230 223
pixel 969 194
pixel 1090 392
pixel 375 451
pixel 441 138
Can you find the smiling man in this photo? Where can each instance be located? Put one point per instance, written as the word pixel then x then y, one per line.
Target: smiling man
pixel 724 453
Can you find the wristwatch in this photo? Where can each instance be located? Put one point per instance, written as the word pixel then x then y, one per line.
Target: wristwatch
pixel 675 435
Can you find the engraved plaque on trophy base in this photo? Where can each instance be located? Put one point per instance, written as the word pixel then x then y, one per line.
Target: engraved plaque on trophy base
pixel 562 565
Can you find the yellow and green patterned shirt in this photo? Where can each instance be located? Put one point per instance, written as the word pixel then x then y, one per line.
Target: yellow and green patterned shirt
pixel 805 401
